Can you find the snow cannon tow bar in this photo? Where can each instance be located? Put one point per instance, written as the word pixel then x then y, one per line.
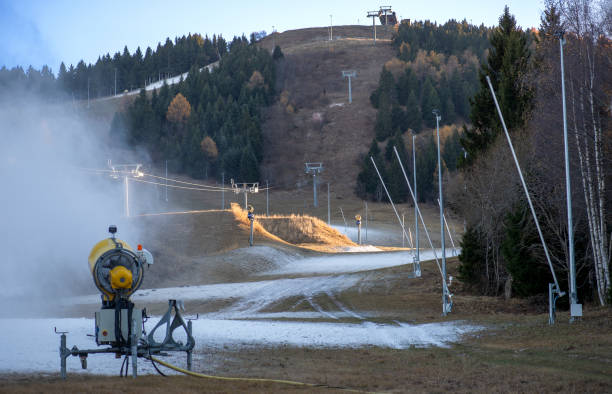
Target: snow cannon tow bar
pixel 118 271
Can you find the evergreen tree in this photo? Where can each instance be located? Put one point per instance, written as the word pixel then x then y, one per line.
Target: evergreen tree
pixel 368 183
pixel 429 102
pixel 471 257
pixel 529 276
pixel 507 64
pixel 384 121
pixel 414 118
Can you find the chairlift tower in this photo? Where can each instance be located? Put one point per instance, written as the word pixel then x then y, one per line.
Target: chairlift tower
pixel 314 169
pixel 125 170
pixel 350 74
pixel 373 15
pixel 245 188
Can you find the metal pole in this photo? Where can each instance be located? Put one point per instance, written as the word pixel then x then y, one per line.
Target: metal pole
pixel 115 82
pixel 87 92
pixel 62 356
pixel 350 95
pixel 134 350
pixel 374 29
pixel 331 29
pixel 267 199
pixel 223 190
pixel 189 352
pixel 416 216
pixel 403 237
pixel 343 218
pixel 166 180
pixel 251 236
pixel 328 207
pixel 314 186
pixel 444 290
pixel 568 187
pixel 518 167
pixel 246 198
pixel 359 231
pixel 390 200
pixel 419 212
pixel 127 196
pixel 366 217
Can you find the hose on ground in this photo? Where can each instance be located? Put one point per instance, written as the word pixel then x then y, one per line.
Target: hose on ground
pixel 261 380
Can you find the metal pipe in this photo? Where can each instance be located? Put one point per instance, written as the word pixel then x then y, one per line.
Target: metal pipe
pixel 416 216
pixel 518 167
pixel 328 207
pixel 134 343
pixel 442 236
pixel 420 214
pixel 568 186
pixel 389 197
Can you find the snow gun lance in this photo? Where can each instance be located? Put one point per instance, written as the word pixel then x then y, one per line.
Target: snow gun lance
pixel 118 271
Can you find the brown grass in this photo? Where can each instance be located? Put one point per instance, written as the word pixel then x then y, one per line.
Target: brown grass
pixel 298 230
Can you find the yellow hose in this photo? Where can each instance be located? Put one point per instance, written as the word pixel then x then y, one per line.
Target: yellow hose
pixel 201 375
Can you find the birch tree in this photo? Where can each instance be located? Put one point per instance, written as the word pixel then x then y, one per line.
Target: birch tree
pixel 588 68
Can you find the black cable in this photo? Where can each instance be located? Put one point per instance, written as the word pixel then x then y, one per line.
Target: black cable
pixel 155 366
pixel 122 365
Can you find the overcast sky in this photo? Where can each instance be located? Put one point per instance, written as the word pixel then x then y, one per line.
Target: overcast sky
pixel 41 32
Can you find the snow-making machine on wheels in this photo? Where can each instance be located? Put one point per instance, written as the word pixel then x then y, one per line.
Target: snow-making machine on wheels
pixel 118 271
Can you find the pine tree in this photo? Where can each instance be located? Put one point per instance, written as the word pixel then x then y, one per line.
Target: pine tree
pixel 507 64
pixel 429 102
pixel 529 276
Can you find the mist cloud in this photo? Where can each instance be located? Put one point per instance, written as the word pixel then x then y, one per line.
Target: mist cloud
pixel 53 211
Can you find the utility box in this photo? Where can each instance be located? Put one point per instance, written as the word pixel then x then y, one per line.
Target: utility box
pixel 105 326
pixel 576 310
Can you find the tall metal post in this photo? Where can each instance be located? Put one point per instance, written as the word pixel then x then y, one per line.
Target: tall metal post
pixel 444 289
pixel 267 198
pixel 62 356
pixel 373 15
pixel 127 196
pixel 166 180
pixel 350 74
pixel 358 222
pixel 314 186
pixel 87 92
pixel 416 216
pixel 328 207
pixel 134 343
pixel 223 190
pixel 331 29
pixel 575 310
pixel 189 352
pixel 366 217
pixel 403 235
pixel 518 168
pixel 115 82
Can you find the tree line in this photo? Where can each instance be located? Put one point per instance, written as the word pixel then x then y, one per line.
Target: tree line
pixel 436 67
pixel 211 122
pixel 501 251
pixel 117 73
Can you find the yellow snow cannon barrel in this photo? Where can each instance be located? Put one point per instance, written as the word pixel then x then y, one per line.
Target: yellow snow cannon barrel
pixel 116 268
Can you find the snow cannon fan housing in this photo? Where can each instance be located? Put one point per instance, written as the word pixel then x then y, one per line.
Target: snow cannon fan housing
pixel 116 268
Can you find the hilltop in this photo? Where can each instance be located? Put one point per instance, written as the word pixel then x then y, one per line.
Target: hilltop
pixel 313 120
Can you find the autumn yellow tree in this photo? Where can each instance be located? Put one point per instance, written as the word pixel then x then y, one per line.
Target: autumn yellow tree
pixel 178 110
pixel 209 147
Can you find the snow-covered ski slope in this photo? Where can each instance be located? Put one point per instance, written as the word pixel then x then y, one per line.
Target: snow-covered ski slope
pixel 249 315
pixel 160 83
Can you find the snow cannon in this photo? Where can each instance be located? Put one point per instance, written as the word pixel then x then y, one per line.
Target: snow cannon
pixel 117 268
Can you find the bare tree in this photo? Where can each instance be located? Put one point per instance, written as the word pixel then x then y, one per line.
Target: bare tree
pixel 588 67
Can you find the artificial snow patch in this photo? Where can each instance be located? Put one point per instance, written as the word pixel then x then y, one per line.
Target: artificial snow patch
pixel 30 345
